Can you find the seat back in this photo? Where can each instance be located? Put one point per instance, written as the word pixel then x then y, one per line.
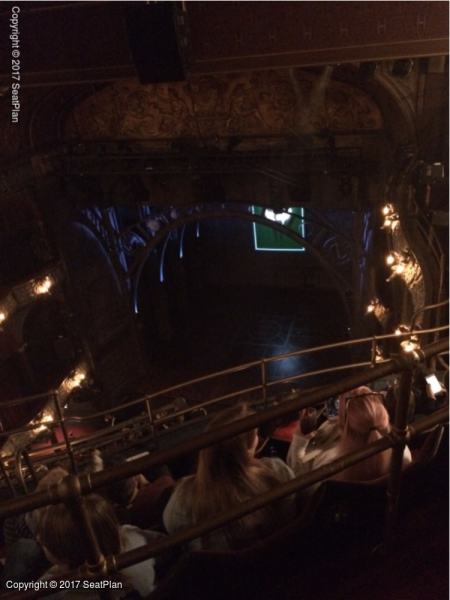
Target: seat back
pixel 217 575
pixel 420 480
pixel 351 510
pixel 357 509
pixel 430 446
pixel 337 512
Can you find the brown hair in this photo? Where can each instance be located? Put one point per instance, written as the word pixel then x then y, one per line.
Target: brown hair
pixel 52 477
pixel 59 536
pixel 228 474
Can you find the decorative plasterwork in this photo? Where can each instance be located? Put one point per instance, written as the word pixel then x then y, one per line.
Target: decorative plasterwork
pixel 270 103
pixel 26 293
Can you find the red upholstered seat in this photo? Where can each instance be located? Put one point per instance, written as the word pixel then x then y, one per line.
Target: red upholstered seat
pixel 284 434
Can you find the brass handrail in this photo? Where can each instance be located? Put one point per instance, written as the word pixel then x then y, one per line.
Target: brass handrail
pixel 113 564
pixel 70 489
pixel 295 402
pixel 263 387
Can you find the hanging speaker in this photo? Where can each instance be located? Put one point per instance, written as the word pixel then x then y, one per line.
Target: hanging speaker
pixel 158 36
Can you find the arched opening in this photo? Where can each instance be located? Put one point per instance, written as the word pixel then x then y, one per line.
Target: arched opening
pixel 223 303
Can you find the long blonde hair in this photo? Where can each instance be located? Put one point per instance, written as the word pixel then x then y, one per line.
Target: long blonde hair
pixel 365 420
pixel 228 474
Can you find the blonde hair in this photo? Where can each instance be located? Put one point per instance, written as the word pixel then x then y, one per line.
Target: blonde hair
pixel 365 420
pixel 227 475
pixel 59 535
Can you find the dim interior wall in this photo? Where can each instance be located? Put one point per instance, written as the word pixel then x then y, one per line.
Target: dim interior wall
pixel 101 309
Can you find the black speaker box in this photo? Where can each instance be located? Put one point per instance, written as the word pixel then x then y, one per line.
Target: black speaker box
pixel 159 41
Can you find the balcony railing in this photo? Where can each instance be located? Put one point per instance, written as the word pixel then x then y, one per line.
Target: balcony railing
pixel 165 416
pixel 72 488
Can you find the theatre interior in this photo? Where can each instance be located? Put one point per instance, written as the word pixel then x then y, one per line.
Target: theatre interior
pixel 204 204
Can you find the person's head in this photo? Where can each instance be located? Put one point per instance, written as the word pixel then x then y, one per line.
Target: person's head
pixel 52 477
pixel 365 415
pixel 230 456
pixel 344 398
pixel 59 537
pixel 365 420
pixel 227 474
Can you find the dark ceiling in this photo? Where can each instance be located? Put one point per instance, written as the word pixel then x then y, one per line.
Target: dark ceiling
pixel 68 42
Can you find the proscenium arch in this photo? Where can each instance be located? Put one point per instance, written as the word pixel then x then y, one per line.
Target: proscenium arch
pixel 136 269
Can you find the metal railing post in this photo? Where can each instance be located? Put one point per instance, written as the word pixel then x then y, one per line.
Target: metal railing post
pixel 264 382
pixel 7 477
pixel 400 431
pixel 95 564
pixel 18 468
pixel 152 422
pixel 62 424
pixel 373 352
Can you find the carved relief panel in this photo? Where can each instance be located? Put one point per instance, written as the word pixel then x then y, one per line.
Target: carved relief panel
pixel 266 103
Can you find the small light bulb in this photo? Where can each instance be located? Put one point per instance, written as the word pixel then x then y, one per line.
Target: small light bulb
pixel 44 286
pixel 408 346
pixel 390 259
pixel 399 268
pixel 2 317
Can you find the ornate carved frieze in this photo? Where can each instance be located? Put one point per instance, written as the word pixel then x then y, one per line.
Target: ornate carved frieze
pixel 260 103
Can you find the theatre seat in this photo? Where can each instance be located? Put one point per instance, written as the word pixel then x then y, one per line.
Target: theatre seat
pixel 350 510
pixel 221 575
pixel 337 513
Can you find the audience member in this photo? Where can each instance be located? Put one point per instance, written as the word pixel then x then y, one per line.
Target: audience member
pixel 23 526
pixel 362 419
pixel 137 501
pixel 58 534
pixel 228 474
pixel 25 560
pixel 325 437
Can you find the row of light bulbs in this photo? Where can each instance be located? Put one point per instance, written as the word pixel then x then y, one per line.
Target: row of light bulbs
pixel 398 261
